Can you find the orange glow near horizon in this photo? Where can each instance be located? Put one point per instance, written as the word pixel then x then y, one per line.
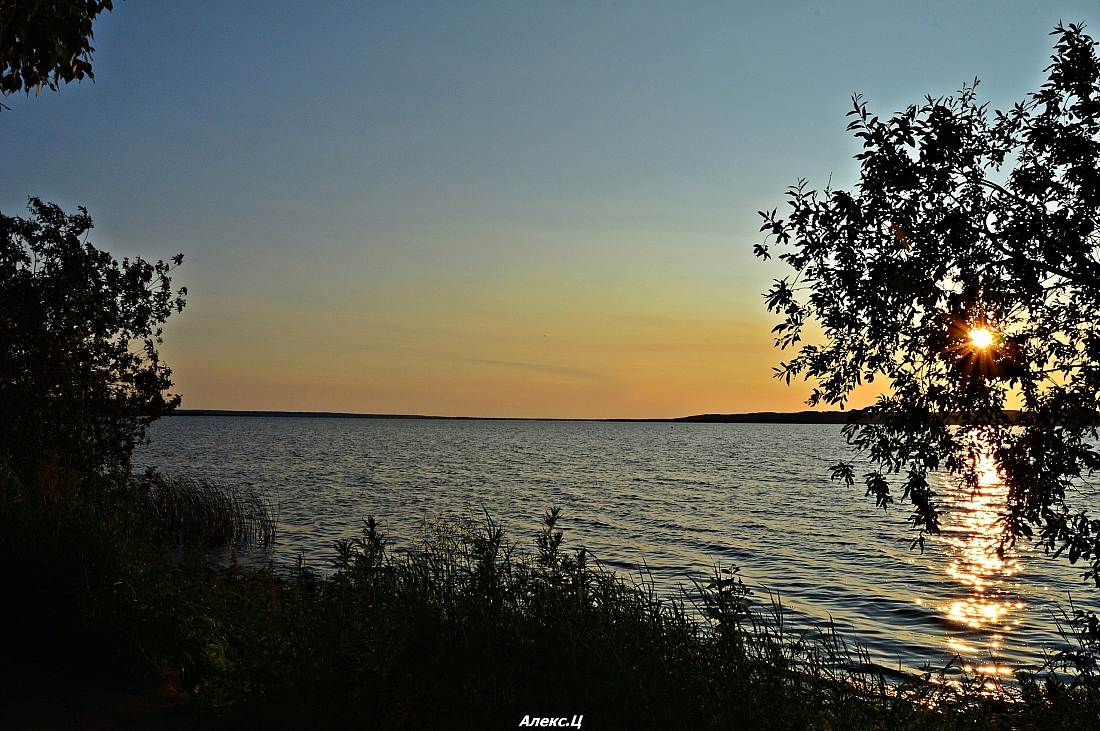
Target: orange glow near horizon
pixel 522 347
pixel 654 368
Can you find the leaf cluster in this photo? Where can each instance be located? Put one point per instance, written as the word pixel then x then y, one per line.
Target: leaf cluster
pixel 46 43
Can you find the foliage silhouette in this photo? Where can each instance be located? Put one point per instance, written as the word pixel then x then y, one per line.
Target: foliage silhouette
pixel 467 629
pixel 962 221
pixel 80 376
pixel 45 43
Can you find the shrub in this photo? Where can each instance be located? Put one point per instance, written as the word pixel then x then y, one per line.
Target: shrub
pixel 80 375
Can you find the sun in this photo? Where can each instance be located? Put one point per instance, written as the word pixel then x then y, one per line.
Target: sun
pixel 981 338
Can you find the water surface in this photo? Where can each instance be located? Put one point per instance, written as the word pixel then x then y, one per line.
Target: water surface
pixel 672 499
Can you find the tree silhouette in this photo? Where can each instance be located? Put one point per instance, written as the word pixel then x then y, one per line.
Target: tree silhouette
pixel 963 269
pixel 80 376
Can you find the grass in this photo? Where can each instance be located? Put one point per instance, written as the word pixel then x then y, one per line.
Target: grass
pixel 467 630
pixel 192 511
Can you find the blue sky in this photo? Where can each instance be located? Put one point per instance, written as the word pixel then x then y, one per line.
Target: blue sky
pixel 507 209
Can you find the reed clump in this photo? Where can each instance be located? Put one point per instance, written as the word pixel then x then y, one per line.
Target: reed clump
pixel 193 511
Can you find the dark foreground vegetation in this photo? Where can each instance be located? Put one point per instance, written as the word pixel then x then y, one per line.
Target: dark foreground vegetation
pixel 466 631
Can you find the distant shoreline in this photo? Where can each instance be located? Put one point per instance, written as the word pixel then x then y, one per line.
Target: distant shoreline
pixel 756 417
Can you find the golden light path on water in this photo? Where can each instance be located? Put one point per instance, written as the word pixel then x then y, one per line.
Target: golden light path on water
pixel 973 535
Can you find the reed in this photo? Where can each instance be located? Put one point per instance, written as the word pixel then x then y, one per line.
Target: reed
pixel 191 511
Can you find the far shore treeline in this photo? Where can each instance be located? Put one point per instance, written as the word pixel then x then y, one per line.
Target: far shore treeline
pixel 854 416
pixel 759 417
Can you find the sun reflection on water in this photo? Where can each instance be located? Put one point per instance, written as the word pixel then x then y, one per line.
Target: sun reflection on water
pixel 973 535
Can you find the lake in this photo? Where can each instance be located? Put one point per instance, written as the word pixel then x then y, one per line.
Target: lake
pixel 670 500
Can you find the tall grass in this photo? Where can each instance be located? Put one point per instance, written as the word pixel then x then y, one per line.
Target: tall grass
pixel 189 511
pixel 469 631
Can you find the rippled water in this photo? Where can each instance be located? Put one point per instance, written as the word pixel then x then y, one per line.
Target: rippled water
pixel 678 498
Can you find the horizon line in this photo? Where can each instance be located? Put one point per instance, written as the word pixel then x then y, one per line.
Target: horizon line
pixel 787 417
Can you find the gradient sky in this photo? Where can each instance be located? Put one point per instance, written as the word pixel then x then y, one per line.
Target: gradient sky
pixel 489 209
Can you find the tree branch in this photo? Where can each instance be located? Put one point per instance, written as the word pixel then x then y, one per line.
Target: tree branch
pixel 1086 277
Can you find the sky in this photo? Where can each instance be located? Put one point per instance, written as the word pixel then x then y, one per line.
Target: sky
pixel 485 209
